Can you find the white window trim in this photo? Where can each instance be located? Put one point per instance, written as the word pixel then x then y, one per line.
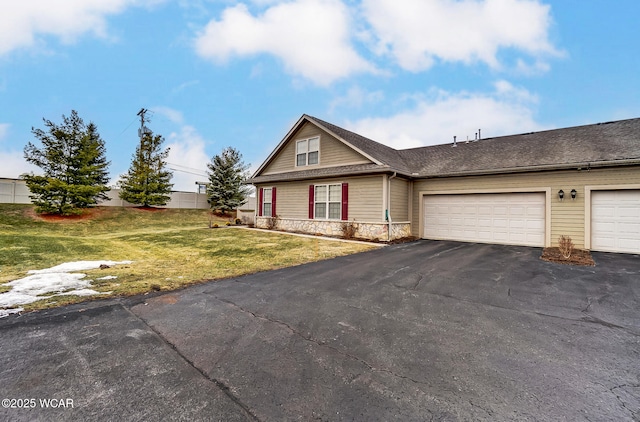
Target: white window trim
pixel 264 202
pixel 327 202
pixel 307 152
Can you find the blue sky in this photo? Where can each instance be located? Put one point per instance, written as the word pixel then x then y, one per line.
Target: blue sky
pixel 240 73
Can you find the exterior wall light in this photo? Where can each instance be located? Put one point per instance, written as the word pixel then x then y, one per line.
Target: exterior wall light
pixel 573 194
pixel 561 194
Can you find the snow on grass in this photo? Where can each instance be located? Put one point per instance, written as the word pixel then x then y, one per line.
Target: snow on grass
pixel 46 283
pixel 109 277
pixel 67 267
pixel 7 312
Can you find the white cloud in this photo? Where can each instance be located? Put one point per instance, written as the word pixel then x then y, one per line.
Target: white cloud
pixel 436 118
pixel 420 32
pixel 356 97
pixel 26 23
pixel 311 37
pixel 187 158
pixel 184 86
pixel 14 164
pixel 4 129
pixel 172 115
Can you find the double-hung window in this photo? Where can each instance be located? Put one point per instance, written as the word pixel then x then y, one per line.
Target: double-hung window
pixel 307 151
pixel 328 202
pixel 267 199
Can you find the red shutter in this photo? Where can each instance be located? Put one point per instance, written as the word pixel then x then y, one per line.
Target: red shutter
pixel 260 198
pixel 273 202
pixel 345 201
pixel 312 192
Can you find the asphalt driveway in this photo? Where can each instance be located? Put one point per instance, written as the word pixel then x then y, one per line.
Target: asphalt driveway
pixel 418 331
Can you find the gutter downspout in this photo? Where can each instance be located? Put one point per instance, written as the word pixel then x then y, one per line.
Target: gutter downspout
pixel 389 206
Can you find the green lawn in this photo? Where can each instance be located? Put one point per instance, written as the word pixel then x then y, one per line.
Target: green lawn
pixel 170 248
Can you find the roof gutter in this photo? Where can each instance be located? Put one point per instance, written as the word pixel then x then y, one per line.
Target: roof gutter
pixel 321 176
pixel 578 166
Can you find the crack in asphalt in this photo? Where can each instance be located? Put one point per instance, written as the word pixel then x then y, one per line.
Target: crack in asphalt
pixel 421 277
pixel 219 384
pixel 622 402
pixel 584 319
pixel 588 319
pixel 589 300
pixel 321 343
pixel 488 412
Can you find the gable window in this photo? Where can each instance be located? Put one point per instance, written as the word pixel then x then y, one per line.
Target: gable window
pixel 328 202
pixel 307 151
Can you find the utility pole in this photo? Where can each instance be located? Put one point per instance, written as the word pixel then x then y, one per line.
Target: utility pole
pixel 141 133
pixel 142 129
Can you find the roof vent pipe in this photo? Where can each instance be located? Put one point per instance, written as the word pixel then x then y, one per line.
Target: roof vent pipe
pixel 479 134
pixel 454 141
pixel 476 136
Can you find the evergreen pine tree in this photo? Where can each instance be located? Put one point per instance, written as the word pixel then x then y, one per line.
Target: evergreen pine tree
pixel 148 181
pixel 74 164
pixel 227 188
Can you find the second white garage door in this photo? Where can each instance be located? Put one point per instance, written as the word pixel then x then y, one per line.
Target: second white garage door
pixel 615 221
pixel 504 218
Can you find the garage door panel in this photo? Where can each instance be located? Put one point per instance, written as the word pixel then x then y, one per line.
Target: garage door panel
pixel 629 211
pixel 500 222
pixel 500 210
pixel 629 228
pixel 537 225
pixel 500 237
pixel 517 211
pixel 535 211
pixel 490 218
pixel 485 235
pixel 615 221
pixel 516 224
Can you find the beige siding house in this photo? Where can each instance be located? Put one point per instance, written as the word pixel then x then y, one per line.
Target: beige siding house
pixel 526 189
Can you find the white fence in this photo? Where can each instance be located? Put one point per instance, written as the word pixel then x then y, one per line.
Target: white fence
pixel 189 200
pixel 15 191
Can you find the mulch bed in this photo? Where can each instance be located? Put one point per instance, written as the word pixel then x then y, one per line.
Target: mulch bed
pixel 578 257
pixel 86 214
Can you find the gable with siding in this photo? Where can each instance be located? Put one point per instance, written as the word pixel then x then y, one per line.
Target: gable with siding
pixel 332 152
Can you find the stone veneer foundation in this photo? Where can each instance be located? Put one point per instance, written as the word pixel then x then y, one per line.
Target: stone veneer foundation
pixel 369 231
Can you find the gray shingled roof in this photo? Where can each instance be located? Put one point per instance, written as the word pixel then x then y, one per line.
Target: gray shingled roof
pixel 385 154
pixel 583 146
pixel 612 143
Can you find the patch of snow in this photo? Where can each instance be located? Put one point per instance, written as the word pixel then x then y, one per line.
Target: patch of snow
pixel 46 283
pixel 83 292
pixel 7 312
pixel 77 266
pixel 109 277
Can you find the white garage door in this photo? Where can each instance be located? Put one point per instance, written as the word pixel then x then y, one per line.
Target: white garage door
pixel 615 221
pixel 506 218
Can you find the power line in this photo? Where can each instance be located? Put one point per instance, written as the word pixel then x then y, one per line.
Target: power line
pixel 125 129
pixel 190 172
pixel 186 167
